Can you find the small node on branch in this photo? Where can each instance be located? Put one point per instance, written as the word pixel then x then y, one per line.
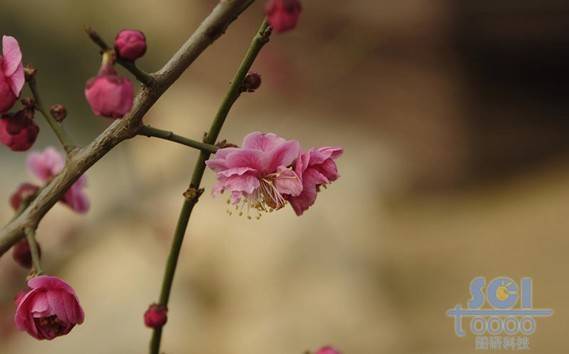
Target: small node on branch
pixel 193 194
pixel 252 82
pixel 224 144
pixel 30 72
pixel 29 103
pixel 58 111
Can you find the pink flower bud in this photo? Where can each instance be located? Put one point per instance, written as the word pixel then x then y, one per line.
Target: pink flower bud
pixel 130 44
pixel 327 350
pixel 24 193
pixel 109 95
pixel 283 14
pixel 49 309
pixel 11 73
pixel 18 131
pixel 22 254
pixel 156 316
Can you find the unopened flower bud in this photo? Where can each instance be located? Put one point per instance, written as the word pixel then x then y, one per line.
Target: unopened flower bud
pixel 130 44
pixel 283 14
pixel 109 94
pixel 252 82
pixel 327 350
pixel 156 316
pixel 22 254
pixel 22 195
pixel 18 131
pixel 58 112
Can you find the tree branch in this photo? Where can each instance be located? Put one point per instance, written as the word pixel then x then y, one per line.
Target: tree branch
pixel 209 30
pixel 149 131
pixel 194 191
pixel 60 133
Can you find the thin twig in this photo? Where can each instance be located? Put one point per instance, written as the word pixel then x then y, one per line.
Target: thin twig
pixel 82 159
pixel 60 133
pixel 34 250
pixel 149 131
pixel 194 191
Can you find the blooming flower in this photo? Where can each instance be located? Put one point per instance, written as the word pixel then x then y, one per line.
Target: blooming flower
pixel 130 44
pixel 327 350
pixel 316 168
pixel 49 309
pixel 11 73
pixel 48 163
pixel 259 174
pixel 156 316
pixel 283 14
pixel 109 94
pixel 18 131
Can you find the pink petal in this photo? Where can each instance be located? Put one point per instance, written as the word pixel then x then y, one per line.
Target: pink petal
pixel 236 171
pixel 49 282
pixel 245 158
pixel 17 80
pixel 287 182
pixel 12 55
pixel 56 304
pixel 246 183
pixel 262 141
pixel 283 155
pixel 46 164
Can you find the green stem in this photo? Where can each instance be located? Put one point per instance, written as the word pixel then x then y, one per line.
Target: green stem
pixel 149 131
pixel 194 191
pixel 31 237
pixel 57 128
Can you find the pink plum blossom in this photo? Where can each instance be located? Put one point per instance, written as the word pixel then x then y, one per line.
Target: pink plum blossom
pixel 316 168
pixel 283 14
pixel 49 309
pixel 130 44
pixel 259 174
pixel 48 163
pixel 11 73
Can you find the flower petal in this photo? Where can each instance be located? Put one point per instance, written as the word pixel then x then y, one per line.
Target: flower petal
pixel 283 155
pixel 287 182
pixel 12 55
pixel 262 141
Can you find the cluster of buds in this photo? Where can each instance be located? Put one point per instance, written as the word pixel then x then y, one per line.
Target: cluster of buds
pixel 109 94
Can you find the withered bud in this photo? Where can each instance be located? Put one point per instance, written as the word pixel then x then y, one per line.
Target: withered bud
pixel 30 72
pixel 58 111
pixel 28 102
pixel 252 82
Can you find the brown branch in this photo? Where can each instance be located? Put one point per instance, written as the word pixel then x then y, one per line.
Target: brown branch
pixel 81 160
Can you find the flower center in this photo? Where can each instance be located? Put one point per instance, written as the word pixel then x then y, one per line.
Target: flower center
pixel 265 199
pixel 50 326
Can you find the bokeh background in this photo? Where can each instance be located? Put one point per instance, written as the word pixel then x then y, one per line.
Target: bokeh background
pixel 454 119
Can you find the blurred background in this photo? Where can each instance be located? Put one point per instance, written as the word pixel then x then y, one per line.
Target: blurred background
pixel 454 119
